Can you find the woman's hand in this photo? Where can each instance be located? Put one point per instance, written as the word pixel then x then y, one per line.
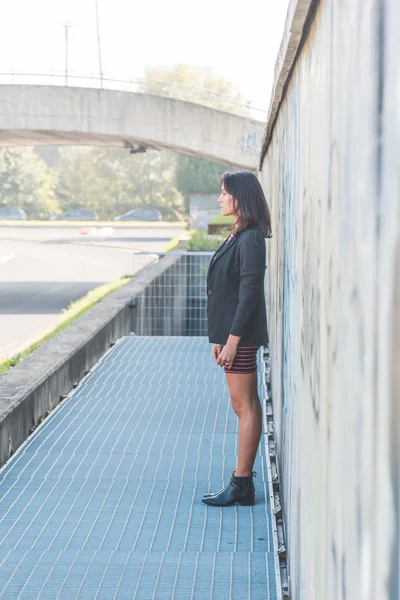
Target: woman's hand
pixel 216 351
pixel 227 355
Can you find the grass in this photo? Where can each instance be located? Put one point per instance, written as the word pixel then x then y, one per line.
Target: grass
pixel 221 220
pixel 175 242
pixel 116 224
pixel 68 316
pixel 198 240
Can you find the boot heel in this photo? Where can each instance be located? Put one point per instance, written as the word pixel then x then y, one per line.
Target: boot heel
pixel 249 501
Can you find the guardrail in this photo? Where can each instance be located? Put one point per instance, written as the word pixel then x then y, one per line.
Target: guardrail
pixel 168 89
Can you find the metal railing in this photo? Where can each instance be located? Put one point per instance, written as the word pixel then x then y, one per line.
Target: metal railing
pixel 168 89
pixel 175 303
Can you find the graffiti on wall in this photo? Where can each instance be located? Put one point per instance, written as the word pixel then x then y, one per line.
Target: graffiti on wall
pixel 330 305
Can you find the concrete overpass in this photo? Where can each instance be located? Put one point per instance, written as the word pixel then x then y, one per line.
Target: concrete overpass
pixel 55 115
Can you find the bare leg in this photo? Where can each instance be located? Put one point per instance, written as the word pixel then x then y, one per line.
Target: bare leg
pixel 246 404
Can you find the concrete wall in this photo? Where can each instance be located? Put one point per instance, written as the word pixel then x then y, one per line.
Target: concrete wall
pixel 49 115
pixel 330 170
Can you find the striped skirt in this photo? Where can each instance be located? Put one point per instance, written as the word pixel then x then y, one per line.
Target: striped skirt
pixel 245 360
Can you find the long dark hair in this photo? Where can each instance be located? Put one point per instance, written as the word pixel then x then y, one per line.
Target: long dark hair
pixel 249 201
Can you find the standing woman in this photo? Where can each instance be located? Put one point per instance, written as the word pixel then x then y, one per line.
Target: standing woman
pixel 237 321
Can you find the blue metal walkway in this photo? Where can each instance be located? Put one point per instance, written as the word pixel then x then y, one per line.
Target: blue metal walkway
pixel 103 501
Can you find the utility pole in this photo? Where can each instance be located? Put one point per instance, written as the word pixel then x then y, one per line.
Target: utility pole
pixel 98 44
pixel 66 52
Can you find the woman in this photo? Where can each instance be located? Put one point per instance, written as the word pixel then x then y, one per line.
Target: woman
pixel 237 322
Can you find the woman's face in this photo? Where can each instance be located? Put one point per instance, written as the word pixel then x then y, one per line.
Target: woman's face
pixel 226 203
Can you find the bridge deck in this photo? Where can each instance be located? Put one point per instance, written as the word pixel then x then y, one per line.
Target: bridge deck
pixel 104 499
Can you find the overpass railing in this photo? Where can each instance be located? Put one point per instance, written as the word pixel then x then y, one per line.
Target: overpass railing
pixel 167 89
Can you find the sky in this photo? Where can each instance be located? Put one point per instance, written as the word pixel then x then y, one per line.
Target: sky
pixel 239 41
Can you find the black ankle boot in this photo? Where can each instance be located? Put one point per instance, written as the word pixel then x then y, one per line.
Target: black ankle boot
pixel 239 490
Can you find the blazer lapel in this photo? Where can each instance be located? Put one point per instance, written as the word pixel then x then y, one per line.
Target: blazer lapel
pixel 216 252
pixel 220 252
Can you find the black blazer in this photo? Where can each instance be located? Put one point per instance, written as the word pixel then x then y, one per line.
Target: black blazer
pixel 235 290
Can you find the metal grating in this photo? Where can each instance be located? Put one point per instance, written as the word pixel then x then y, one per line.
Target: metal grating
pixel 104 499
pixel 175 303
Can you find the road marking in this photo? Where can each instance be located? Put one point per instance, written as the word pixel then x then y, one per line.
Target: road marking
pixel 7 257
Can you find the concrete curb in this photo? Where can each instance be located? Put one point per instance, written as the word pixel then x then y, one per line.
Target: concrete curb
pixel 30 390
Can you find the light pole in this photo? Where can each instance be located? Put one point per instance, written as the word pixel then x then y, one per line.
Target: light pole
pixel 98 43
pixel 66 52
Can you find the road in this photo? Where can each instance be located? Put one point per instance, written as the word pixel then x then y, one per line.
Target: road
pixel 43 270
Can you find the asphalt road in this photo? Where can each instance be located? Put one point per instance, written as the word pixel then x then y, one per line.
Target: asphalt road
pixel 43 270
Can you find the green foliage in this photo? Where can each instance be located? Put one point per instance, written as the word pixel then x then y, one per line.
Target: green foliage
pixel 108 180
pixel 173 244
pixel 200 241
pixel 112 181
pixel 50 154
pixel 196 175
pixel 26 182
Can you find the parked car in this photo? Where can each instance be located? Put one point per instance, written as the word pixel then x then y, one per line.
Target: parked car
pixel 170 214
pixel 141 214
pixel 12 214
pixel 77 214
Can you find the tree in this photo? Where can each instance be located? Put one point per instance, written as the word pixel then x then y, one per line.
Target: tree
pixel 113 181
pixel 26 182
pixel 50 154
pixel 79 185
pixel 194 174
